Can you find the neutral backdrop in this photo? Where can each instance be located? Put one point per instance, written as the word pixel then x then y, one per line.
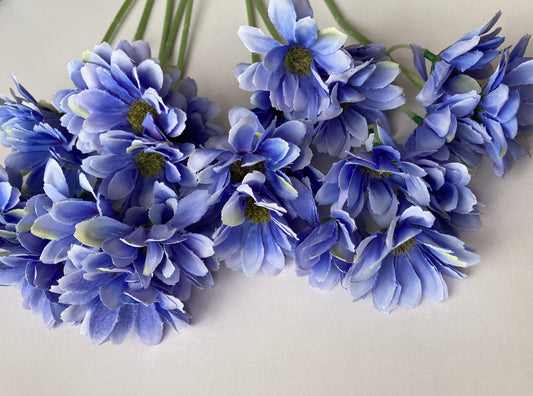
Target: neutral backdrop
pixel 265 335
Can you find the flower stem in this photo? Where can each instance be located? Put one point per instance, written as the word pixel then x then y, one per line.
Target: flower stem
pixel 396 47
pixel 268 23
pixel 184 38
pixel 166 25
pixel 116 21
pixel 173 32
pixel 412 76
pixel 412 115
pixel 252 22
pixel 139 34
pixel 356 34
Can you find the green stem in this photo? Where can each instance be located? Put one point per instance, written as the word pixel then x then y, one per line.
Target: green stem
pixel 415 78
pixel 268 23
pixel 166 25
pixel 139 34
pixel 173 32
pixel 412 115
pixel 396 47
pixel 356 34
pixel 116 21
pixel 184 38
pixel 252 22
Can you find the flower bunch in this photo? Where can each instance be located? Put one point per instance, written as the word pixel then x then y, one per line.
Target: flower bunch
pixel 120 196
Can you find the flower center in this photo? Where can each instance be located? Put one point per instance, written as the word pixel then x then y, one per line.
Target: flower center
pixel 375 174
pixel 149 164
pixel 137 112
pixel 404 247
pixel 298 60
pixel 254 213
pixel 237 171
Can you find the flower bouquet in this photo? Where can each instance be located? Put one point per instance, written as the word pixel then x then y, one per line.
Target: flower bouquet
pixel 122 195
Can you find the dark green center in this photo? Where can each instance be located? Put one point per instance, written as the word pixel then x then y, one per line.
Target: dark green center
pixel 298 60
pixel 137 112
pixel 375 174
pixel 237 171
pixel 149 164
pixel 254 213
pixel 404 247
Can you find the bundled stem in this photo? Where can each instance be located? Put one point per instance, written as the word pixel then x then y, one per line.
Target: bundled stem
pixel 173 32
pixel 166 25
pixel 252 22
pixel 139 34
pixel 117 20
pixel 184 38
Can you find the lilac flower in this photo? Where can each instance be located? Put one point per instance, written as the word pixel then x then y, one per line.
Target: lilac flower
pixel 358 98
pixel 406 262
pixel 254 236
pixel 326 250
pixel 372 180
pixel 121 89
pixel 472 55
pixel 293 71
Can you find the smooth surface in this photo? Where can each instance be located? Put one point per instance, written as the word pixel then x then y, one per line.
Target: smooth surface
pixel 266 335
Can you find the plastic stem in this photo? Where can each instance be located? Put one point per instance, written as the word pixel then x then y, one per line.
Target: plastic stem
pixel 139 34
pixel 166 25
pixel 184 38
pixel 173 32
pixel 116 21
pixel 252 22
pixel 356 34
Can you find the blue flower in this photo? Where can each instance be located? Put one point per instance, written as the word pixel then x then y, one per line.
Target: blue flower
pixel 109 302
pixel 472 55
pixel 250 147
pixel 33 132
pixel 453 204
pixel 130 167
pixel 133 270
pixel 34 279
pixel 254 236
pixel 200 111
pixel 121 89
pixel 370 181
pixel 358 98
pixel 326 250
pixel 407 261
pixel 293 72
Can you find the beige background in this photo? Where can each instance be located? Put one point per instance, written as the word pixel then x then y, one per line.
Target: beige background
pixel 266 335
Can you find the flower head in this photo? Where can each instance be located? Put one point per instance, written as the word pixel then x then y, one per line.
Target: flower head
pixel 407 261
pixel 293 71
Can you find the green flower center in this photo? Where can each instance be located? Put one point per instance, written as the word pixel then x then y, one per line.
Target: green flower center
pixel 404 247
pixel 254 213
pixel 237 171
pixel 375 174
pixel 298 60
pixel 137 112
pixel 150 164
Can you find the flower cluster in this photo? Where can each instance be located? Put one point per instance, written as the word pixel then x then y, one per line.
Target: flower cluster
pixel 120 196
pixel 103 233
